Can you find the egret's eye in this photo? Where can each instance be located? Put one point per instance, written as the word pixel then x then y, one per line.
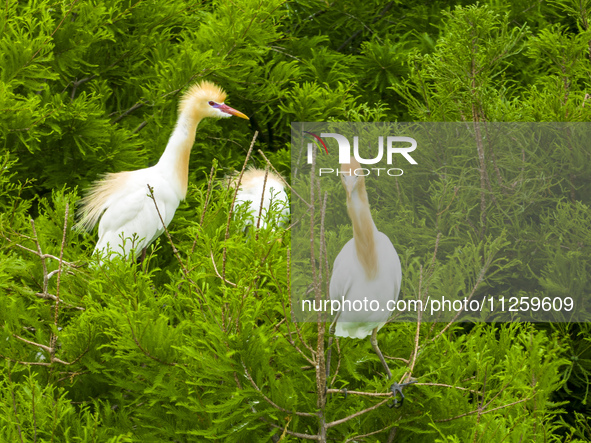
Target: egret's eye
pixel 211 103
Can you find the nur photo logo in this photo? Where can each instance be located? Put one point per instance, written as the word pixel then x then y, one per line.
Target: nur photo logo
pixel 393 145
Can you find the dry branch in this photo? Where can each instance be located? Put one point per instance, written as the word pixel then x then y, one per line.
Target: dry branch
pixel 268 400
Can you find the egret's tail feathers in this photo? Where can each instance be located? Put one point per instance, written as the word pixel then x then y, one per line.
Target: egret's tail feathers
pixel 356 329
pixel 99 197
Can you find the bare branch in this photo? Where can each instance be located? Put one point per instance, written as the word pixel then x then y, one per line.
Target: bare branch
pixel 32 343
pixel 49 38
pixel 231 211
pixel 384 10
pixel 47 296
pixel 289 338
pixel 283 180
pixel 25 363
pixel 357 437
pixel 129 111
pixel 53 339
pixel 39 254
pixel 357 414
pixel 443 385
pixel 174 249
pixel 478 281
pixel 404 360
pixel 415 351
pixel 45 276
pixel 71 375
pixel 295 434
pixel 367 394
pixel 268 400
pixel 215 268
pixel 80 82
pixel 141 126
pixel 484 412
pixel 209 185
pixel 262 201
pixel 18 424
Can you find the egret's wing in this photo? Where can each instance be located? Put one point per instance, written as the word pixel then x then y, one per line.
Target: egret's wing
pixel 368 299
pixel 134 218
pixel 388 257
pixel 342 270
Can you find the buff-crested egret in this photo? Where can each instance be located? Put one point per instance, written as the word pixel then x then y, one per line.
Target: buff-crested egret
pixel 122 201
pixel 366 274
pixel 254 188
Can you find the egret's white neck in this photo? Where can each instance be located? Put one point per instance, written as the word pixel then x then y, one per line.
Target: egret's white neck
pixel 175 159
pixel 364 230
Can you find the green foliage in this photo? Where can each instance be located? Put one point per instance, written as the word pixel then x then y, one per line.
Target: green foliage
pixel 201 346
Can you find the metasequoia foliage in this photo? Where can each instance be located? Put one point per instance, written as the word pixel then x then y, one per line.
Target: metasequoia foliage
pixel 197 342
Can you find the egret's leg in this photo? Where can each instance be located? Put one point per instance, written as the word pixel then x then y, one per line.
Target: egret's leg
pixel 396 389
pixel 374 343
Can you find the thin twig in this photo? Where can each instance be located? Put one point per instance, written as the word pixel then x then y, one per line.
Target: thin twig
pixel 231 211
pixel 49 38
pixel 209 183
pixel 48 349
pixel 18 424
pixel 336 372
pixel 485 412
pixel 289 338
pixel 43 263
pixel 262 201
pixel 129 111
pixel 322 361
pixel 283 180
pixel 41 255
pixel 357 414
pixel 478 281
pixel 174 249
pixel 268 400
pixel 25 363
pixel 80 82
pixel 404 360
pixel 443 385
pixel 413 358
pixel 357 437
pixel 71 375
pixel 59 277
pixel 141 126
pixel 295 434
pixel 133 336
pixel 366 394
pixel 47 296
pixel 215 268
pixel 33 411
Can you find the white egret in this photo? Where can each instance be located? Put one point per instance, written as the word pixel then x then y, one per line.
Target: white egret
pixel 366 274
pixel 253 189
pixel 122 202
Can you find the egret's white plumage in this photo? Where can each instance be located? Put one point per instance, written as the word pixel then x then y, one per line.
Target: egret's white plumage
pixel 128 217
pixel 253 189
pixel 367 271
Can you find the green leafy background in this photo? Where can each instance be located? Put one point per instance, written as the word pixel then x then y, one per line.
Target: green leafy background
pixel 200 346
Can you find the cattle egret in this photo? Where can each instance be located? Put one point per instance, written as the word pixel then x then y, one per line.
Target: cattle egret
pixel 129 217
pixel 254 188
pixel 366 274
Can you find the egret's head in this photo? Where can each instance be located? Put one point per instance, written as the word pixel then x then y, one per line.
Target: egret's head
pixel 207 100
pixel 349 179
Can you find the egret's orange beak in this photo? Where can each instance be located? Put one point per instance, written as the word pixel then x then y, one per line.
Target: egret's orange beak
pixel 231 111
